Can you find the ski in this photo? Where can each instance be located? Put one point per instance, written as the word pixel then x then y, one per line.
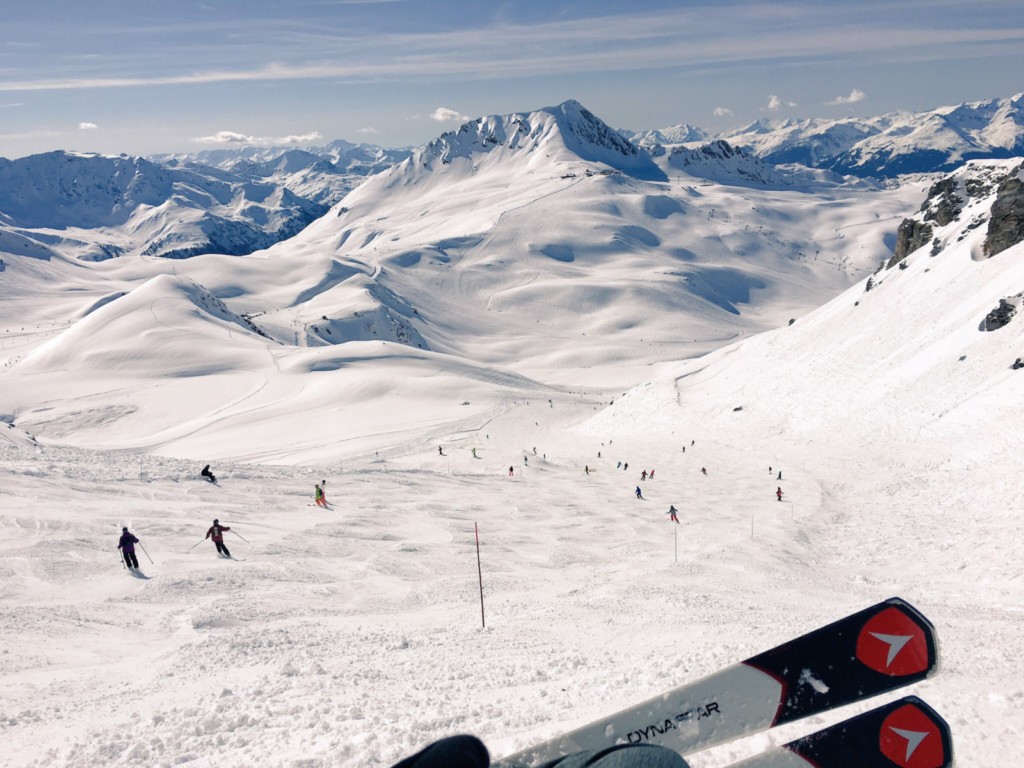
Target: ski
pixel 868 653
pixel 906 733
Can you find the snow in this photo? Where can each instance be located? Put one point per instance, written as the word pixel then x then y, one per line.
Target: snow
pixel 353 636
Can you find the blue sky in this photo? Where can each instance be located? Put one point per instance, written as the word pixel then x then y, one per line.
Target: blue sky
pixel 146 76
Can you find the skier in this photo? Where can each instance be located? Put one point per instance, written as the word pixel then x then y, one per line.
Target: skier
pixel 321 499
pixel 439 451
pixel 769 470
pixel 586 469
pixel 672 514
pixel 780 475
pixel 650 475
pixel 206 473
pixel 778 493
pixel 474 454
pixel 217 533
pixel 703 470
pixel 526 461
pixel 618 465
pixel 643 475
pixel 127 547
pixel 511 471
pixel 625 467
pixel 469 752
pixel 639 495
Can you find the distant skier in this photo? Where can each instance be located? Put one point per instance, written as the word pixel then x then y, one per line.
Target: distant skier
pixel 321 498
pixel 639 495
pixel 474 454
pixel 625 467
pixel 127 547
pixel 526 461
pixel 778 493
pixel 643 475
pixel 618 465
pixel 586 469
pixel 780 475
pixel 703 471
pixel 439 451
pixel 672 514
pixel 650 475
pixel 216 532
pixel 207 474
pixel 511 471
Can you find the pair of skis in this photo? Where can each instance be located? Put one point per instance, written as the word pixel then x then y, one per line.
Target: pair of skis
pixel 874 651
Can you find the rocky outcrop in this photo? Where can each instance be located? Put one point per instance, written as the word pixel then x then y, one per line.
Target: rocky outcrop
pixel 1006 226
pixel 943 205
pixel 909 237
pixel 1000 316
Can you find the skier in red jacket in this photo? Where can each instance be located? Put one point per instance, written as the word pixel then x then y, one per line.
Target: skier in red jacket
pixel 216 532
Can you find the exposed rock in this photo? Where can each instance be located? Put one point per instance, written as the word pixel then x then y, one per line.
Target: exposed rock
pixel 1000 316
pixel 909 237
pixel 1006 227
pixel 943 205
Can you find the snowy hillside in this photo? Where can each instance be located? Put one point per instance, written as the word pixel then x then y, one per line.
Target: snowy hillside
pixel 889 418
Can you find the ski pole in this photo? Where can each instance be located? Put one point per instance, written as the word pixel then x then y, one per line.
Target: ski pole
pixel 121 558
pixel 196 545
pixel 147 553
pixel 241 537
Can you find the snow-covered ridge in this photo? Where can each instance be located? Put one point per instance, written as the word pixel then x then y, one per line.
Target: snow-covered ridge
pixel 896 143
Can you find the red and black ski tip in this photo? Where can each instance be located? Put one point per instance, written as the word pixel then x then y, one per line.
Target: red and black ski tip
pixel 868 653
pixel 904 734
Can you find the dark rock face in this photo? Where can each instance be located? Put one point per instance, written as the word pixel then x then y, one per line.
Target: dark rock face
pixel 909 237
pixel 1006 227
pixel 1000 316
pixel 943 205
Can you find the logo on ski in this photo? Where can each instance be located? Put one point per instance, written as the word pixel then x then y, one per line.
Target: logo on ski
pixel 892 643
pixel 659 729
pixel 912 740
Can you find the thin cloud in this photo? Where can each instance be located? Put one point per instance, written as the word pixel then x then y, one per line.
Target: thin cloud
pixel 445 115
pixel 87 126
pixel 723 112
pixel 775 103
pixel 855 95
pixel 240 139
pixel 682 38
pixel 368 129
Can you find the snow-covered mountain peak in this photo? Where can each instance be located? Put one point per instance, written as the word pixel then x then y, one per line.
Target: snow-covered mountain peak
pixel 568 132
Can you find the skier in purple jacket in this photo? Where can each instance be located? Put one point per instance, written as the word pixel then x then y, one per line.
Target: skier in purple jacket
pixel 127 547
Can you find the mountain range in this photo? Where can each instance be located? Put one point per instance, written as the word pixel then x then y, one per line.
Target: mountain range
pixel 882 147
pixel 239 200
